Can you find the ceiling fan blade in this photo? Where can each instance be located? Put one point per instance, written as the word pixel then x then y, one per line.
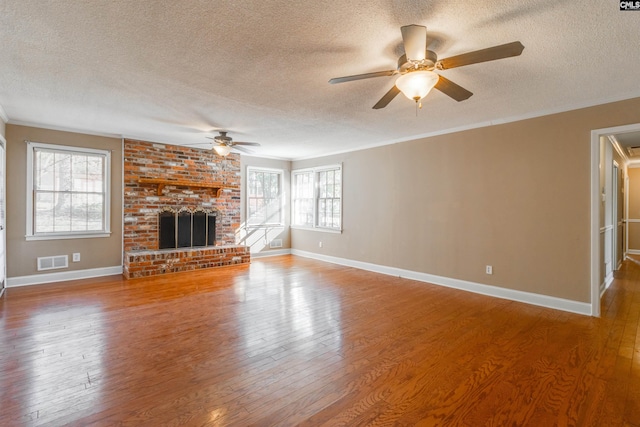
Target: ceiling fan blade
pixel 414 38
pixel 256 144
pixel 451 89
pixel 362 76
pixel 482 55
pixel 386 99
pixel 240 148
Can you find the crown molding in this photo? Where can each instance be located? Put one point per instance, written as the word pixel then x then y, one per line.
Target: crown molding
pixel 478 125
pixel 65 129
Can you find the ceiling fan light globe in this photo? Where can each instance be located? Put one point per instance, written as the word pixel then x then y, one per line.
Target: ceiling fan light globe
pixel 415 85
pixel 222 150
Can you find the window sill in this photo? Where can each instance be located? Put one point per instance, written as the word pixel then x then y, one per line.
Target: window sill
pixel 67 236
pixel 254 226
pixel 320 229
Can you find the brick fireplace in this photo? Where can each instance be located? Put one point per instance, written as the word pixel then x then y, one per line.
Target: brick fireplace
pixel 168 178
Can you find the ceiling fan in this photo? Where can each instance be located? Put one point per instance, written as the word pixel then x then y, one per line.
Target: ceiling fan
pixel 224 144
pixel 416 68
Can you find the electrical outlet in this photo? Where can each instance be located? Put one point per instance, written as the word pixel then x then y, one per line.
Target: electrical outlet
pixel 76 257
pixel 489 269
pixel 319 244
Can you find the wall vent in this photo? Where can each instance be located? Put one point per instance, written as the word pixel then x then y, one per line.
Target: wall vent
pixel 53 262
pixel 275 243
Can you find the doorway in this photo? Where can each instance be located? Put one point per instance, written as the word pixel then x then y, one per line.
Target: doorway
pixel 615 247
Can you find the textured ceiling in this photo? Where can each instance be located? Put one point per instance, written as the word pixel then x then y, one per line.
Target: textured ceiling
pixel 175 71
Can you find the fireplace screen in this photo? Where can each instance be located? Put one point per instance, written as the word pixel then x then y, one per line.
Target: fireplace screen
pixel 186 229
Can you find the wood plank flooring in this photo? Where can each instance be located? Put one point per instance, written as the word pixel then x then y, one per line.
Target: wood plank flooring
pixel 290 341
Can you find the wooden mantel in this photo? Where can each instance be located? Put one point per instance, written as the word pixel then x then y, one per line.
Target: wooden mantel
pixel 161 182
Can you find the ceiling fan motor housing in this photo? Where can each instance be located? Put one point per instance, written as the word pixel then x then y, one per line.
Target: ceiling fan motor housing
pixel 223 138
pixel 427 64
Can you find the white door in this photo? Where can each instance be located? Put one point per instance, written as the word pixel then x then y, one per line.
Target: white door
pixel 3 242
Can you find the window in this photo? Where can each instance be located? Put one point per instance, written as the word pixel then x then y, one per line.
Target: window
pixel 317 198
pixel 68 192
pixel 264 197
pixel 303 195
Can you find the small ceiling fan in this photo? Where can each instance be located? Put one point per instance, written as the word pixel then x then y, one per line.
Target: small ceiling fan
pixel 223 144
pixel 416 68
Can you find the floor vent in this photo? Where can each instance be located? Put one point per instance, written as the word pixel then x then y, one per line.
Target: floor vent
pixel 275 243
pixel 53 262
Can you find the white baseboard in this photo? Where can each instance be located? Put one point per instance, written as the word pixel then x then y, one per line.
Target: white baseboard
pixel 605 285
pixel 275 252
pixel 633 251
pixel 478 288
pixel 38 279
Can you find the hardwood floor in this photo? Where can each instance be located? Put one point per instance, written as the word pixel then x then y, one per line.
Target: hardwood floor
pixel 290 341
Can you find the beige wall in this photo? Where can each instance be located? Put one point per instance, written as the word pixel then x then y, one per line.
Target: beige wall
pixel 515 196
pixel 258 238
pixel 95 252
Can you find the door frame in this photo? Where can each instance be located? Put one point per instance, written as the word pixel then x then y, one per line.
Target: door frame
pixel 3 177
pixel 615 170
pixel 596 134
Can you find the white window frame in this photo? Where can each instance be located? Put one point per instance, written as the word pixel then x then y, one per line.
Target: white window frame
pixel 280 174
pixel 316 197
pixel 31 235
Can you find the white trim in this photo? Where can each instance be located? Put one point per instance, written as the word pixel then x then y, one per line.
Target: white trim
pixel 633 220
pixel 478 288
pixel 605 285
pixel 594 279
pixel 69 235
pixel 122 191
pixel 615 192
pixel 633 251
pixel 38 279
pixel 3 114
pixel 65 129
pixel 270 253
pixel 621 152
pixel 30 233
pixel 606 228
pixel 320 229
pixel 3 179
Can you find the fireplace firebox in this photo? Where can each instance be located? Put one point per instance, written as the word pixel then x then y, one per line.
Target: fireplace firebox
pixel 186 228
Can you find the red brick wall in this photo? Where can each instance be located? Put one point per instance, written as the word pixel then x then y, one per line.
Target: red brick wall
pixel 142 202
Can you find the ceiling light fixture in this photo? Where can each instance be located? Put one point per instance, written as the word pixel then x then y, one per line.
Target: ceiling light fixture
pixel 222 150
pixel 415 85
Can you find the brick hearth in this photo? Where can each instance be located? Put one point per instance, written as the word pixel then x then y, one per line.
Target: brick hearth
pixel 150 263
pixel 193 171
